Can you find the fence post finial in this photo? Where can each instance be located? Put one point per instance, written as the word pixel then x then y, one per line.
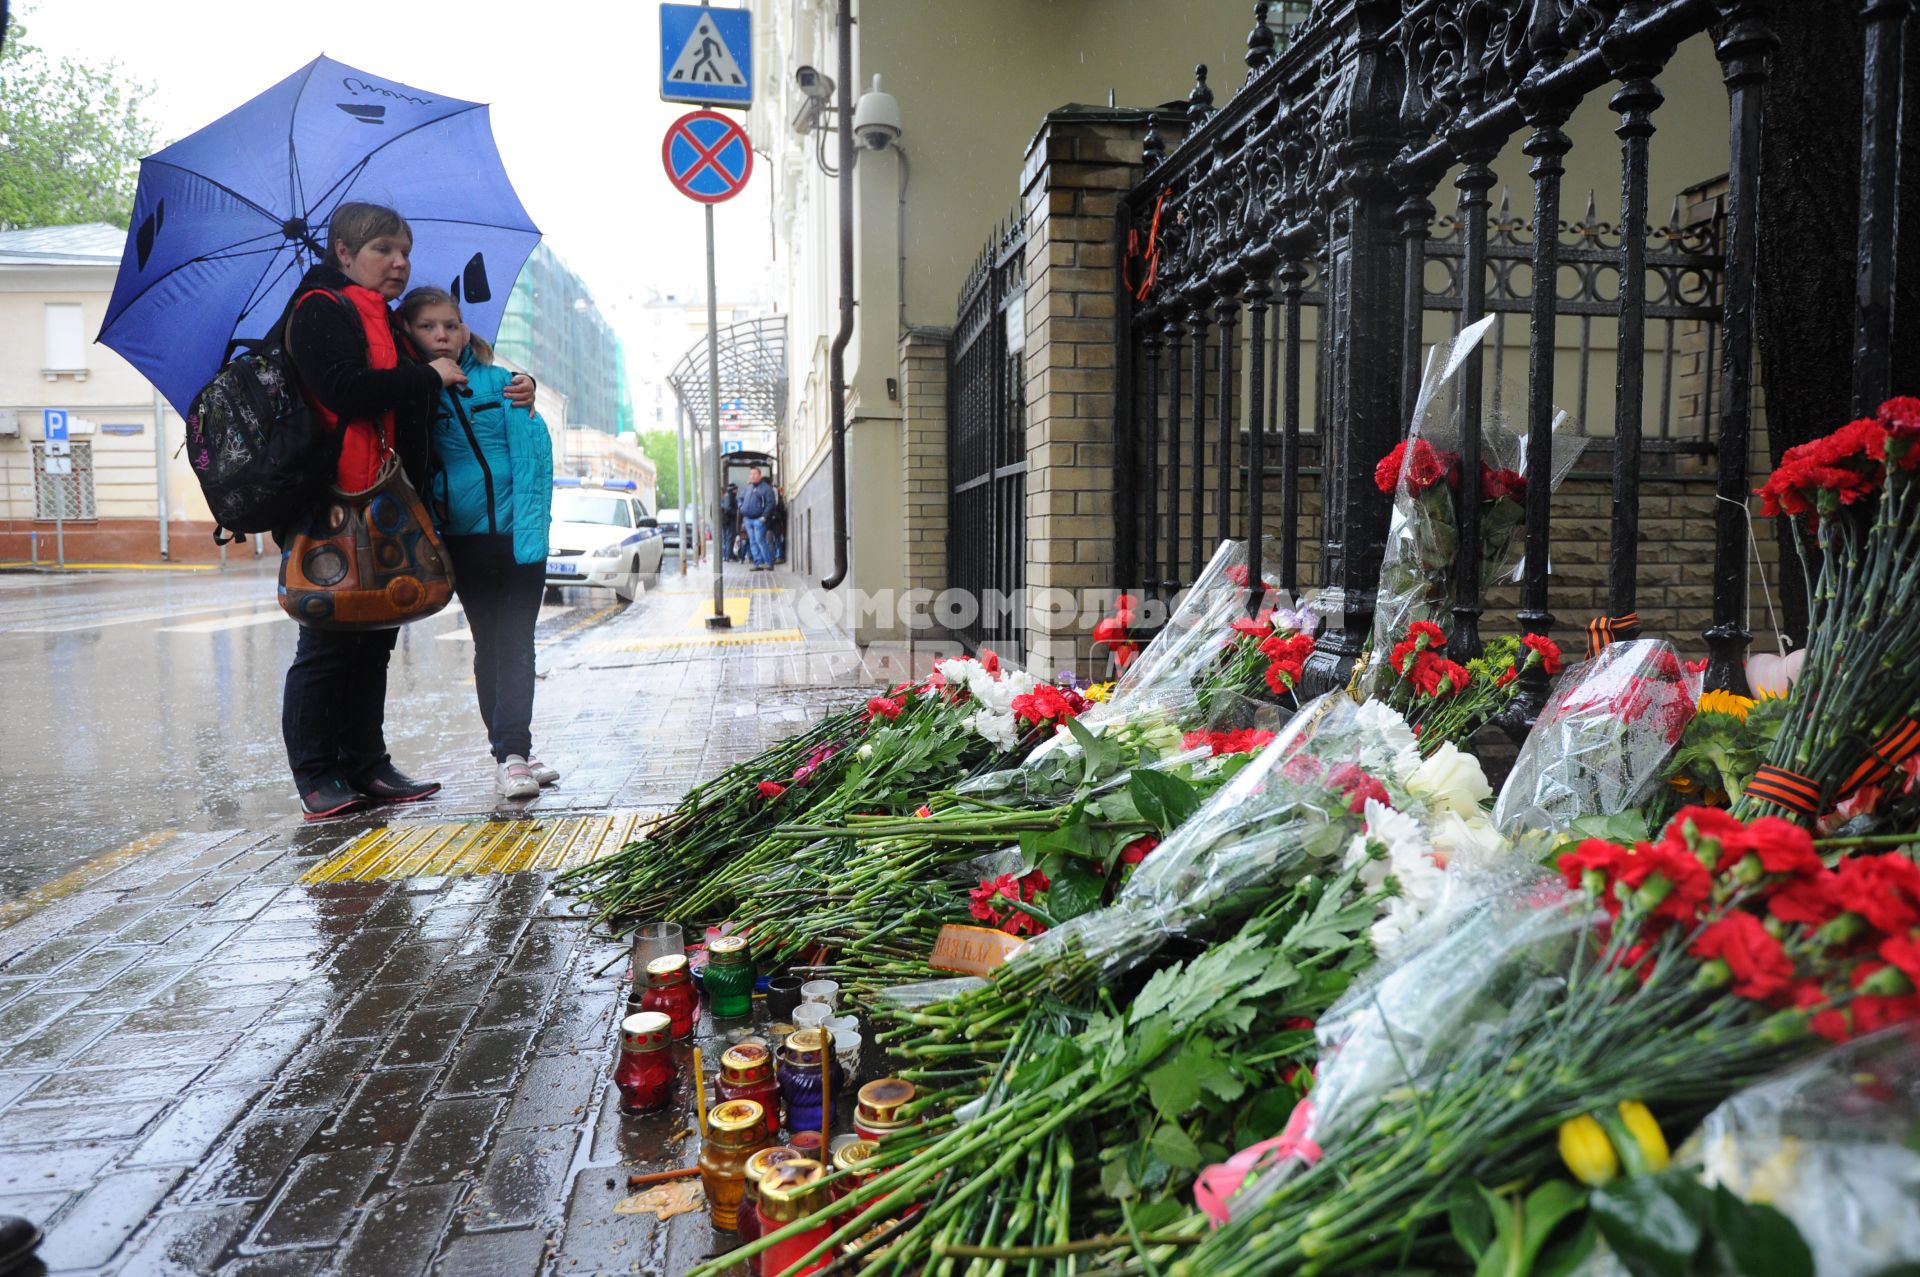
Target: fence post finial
pixel 1199 98
pixel 1260 40
pixel 1153 148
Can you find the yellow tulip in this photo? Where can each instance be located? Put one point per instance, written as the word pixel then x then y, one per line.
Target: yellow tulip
pixel 1646 1133
pixel 1587 1151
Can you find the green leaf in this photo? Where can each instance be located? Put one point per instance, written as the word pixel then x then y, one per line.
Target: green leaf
pixel 1652 1222
pixel 1076 887
pixel 1174 1087
pixel 1569 1255
pixel 1175 1147
pixel 1164 799
pixel 1470 1221
pixel 1758 1240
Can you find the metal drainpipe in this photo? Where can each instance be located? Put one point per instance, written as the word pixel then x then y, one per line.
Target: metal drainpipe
pixel 837 356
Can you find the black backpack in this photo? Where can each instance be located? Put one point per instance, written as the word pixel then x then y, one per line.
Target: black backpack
pixel 262 457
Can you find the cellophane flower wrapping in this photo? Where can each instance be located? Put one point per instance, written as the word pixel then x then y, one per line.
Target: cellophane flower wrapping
pixel 1603 742
pixel 1276 818
pixel 1417 573
pixel 1834 1145
pixel 1497 953
pixel 1155 700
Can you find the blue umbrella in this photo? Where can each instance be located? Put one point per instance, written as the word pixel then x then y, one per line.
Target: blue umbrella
pixel 226 221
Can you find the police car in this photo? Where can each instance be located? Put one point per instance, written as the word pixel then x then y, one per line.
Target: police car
pixel 602 536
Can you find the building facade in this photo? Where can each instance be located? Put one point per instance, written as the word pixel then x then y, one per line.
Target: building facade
pixel 552 324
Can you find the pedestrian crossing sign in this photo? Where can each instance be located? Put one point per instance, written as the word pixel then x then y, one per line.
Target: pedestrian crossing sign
pixel 706 55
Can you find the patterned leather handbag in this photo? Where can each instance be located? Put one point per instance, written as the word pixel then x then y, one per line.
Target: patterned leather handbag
pixel 366 560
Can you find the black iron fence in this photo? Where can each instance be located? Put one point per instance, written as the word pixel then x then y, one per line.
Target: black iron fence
pixel 986 443
pixel 1308 200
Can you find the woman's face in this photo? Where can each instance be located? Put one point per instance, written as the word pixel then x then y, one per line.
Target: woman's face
pixel 380 264
pixel 438 331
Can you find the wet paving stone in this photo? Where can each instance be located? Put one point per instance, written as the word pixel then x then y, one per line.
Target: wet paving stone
pixel 522 1180
pixel 194 1019
pixel 449 1141
pixel 293 1263
pixel 194 1126
pixel 376 1011
pixel 463 981
pixel 448 924
pixel 109 1085
pixel 384 1110
pixel 322 1075
pixel 511 1254
pixel 557 1090
pixel 304 949
pixel 74 1164
pixel 57 1043
pixel 138 1050
pixel 320 1198
pixel 50 956
pixel 548 946
pixel 131 989
pixel 400 1236
pixel 192 943
pixel 93 971
pixel 202 989
pixel 23 1015
pixel 578 1020
pixel 515 998
pixel 157 926
pixel 184 1243
pixel 38 1207
pixel 260 1056
pixel 254 1156
pixel 94 1227
pixel 597 1240
pixel 488 1060
pixel 414 963
pixel 427 1036
pixel 367 949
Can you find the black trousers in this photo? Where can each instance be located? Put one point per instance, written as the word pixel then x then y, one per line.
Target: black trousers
pixel 335 705
pixel 502 600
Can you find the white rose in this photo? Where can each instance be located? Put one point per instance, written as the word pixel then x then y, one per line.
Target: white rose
pixel 1451 781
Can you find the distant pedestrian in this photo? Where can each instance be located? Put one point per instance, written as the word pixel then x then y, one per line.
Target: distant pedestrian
pixel 756 507
pixel 492 495
pixel 360 374
pixel 777 525
pixel 729 521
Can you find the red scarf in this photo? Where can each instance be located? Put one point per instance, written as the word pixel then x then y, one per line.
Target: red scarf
pixel 366 443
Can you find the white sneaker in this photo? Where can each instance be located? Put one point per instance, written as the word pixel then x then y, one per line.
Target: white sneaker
pixel 514 779
pixel 541 772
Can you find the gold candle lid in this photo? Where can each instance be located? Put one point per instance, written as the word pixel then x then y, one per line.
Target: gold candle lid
pixel 852 1155
pixel 668 967
pixel 744 1060
pixel 736 1115
pixel 792 1189
pixel 807 1041
pixel 645 1030
pixel 764 1160
pixel 728 949
pixel 882 1099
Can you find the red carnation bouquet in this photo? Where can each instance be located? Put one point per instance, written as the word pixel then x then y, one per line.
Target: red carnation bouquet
pixel 1446 701
pixel 1422 475
pixel 1850 720
pixel 1670 974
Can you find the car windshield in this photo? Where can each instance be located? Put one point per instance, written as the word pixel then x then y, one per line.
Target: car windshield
pixel 586 507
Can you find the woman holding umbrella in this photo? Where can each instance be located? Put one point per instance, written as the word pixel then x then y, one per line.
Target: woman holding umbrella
pixel 367 381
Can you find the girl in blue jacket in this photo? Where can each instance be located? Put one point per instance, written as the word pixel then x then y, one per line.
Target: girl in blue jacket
pixel 492 493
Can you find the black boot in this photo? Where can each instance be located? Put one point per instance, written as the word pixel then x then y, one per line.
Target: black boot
pixel 386 784
pixel 18 1238
pixel 333 797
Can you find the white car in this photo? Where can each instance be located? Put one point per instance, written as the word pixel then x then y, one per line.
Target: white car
pixel 602 536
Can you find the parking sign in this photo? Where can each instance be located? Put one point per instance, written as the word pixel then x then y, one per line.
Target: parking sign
pixel 53 422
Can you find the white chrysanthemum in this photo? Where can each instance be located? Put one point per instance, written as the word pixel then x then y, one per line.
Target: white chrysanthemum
pixel 997 729
pixel 1383 737
pixel 1451 781
pixel 1398 833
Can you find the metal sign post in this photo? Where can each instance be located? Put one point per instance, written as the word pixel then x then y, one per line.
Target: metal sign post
pixel 58 452
pixel 708 158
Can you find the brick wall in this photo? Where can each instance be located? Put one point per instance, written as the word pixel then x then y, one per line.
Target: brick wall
pixel 923 463
pixel 1076 171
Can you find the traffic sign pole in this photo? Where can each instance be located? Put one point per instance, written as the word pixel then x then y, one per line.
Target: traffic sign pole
pixel 719 620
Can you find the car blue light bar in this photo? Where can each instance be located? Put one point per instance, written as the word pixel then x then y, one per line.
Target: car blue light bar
pixel 625 485
pixel 566 481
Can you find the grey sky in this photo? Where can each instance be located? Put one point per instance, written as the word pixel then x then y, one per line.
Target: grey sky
pixel 574 86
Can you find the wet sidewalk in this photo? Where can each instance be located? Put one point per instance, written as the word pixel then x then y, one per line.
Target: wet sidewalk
pixel 384 1046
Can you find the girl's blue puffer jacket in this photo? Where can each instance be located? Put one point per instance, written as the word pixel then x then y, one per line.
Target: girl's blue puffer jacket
pixel 493 464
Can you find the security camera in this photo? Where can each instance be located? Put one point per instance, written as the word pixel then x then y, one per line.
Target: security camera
pixel 876 119
pixel 814 84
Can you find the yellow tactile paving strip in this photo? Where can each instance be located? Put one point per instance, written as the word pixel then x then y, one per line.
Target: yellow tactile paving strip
pixel 473 847
pixel 718 639
pixel 735 608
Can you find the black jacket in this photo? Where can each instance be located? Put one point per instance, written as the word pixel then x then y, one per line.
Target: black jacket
pixel 329 351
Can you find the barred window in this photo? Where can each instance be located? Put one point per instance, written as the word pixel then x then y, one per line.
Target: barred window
pixel 73 492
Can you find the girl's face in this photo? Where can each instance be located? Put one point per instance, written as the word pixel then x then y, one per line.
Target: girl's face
pixel 438 331
pixel 381 264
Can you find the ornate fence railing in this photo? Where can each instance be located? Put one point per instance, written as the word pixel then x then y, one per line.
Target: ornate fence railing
pixel 1323 169
pixel 986 443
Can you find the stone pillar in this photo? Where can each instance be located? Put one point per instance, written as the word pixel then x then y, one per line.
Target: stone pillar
pixel 1077 169
pixel 924 497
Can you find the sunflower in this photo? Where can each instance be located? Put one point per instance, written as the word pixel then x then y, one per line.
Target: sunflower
pixel 1726 703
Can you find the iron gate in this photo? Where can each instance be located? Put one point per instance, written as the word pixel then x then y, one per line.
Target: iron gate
pixel 986 446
